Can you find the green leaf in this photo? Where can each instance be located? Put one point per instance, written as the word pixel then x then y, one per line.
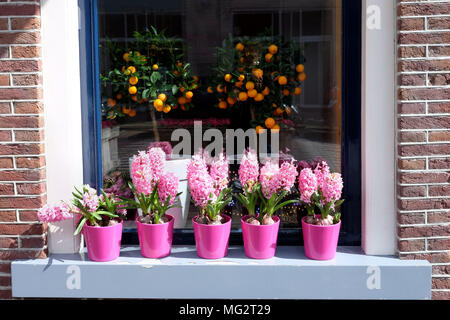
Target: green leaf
pixel 155 77
pixel 80 225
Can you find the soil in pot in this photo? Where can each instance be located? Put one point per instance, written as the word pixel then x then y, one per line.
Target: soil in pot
pixel 205 219
pixel 150 219
pixel 267 220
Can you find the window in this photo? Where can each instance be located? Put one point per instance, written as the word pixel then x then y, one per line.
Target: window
pixel 323 120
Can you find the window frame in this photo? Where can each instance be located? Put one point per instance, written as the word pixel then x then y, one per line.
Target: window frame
pixel 350 129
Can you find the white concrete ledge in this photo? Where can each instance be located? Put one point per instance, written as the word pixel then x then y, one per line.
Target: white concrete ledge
pixel 182 275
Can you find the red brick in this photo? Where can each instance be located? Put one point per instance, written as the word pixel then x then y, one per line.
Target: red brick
pixel 411 245
pixel 412 136
pixel 411 24
pixel 5 281
pixel 407 108
pixel 25 23
pixel 441 269
pixel 424 177
pixel 439 23
pixel 423 9
pixel 28 215
pixel 411 52
pixel 440 283
pixel 412 191
pixel 20 38
pixel 5 108
pixel 433 257
pixel 441 190
pixel 4 80
pixel 412 164
pixel 424 65
pixel 411 80
pixel 411 218
pixel 439 136
pixel 424 38
pixel 440 295
pixel 439 107
pixel 22 175
pixel 438 217
pixel 4 52
pixel 28 107
pixel 439 51
pixel 10 9
pixel 20 93
pixel 31 188
pixel 4 24
pixel 423 150
pixel 8 216
pixel 26 135
pixel 27 80
pixel 6 189
pixel 424 231
pixel 423 204
pixel 20 66
pixel 22 229
pixel 438 79
pixel 32 242
pixel 439 163
pixel 21 122
pixel 8 243
pixel 438 244
pixel 22 254
pixel 26 52
pixel 30 163
pixel 22 149
pixel 5 267
pixel 5 136
pixel 424 94
pixel 21 202
pixel 6 163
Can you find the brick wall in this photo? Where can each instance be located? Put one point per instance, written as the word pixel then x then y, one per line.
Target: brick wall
pixel 22 160
pixel 424 137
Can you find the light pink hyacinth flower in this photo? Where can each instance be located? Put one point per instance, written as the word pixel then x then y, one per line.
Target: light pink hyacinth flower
pixel 307 185
pixel 249 169
pixel 54 213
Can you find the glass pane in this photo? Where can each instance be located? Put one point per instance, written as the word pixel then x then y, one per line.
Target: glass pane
pixel 195 44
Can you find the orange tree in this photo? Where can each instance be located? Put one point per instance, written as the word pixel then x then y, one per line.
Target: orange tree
pixel 262 74
pixel 149 71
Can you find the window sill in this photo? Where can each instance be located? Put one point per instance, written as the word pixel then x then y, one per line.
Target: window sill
pixel 289 275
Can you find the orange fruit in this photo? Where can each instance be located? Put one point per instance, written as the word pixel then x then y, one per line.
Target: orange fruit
pixel 210 90
pixel 252 93
pixel 249 85
pixel 266 91
pixel 273 49
pixel 286 92
pixel 268 57
pixel 241 77
pixel 132 113
pixel 258 73
pixel 274 105
pixel 219 88
pixel 297 91
pixel 133 80
pixel 227 77
pixel 243 96
pixel 195 78
pixel 275 128
pixel 155 67
pixel 282 80
pixel 166 109
pixel 125 110
pixel 123 69
pixel 278 111
pixel 239 46
pixel 301 76
pixel 118 96
pixel 223 105
pixel 158 103
pixel 240 69
pixel 300 68
pixel 131 69
pixel 259 97
pixel 179 64
pixel 125 56
pixel 181 89
pixel 231 101
pixel 162 97
pixel 239 84
pixel 259 129
pixel 111 102
pixel 189 94
pixel 132 90
pixel 288 111
pixel 270 122
pixel 183 107
pixel 182 100
pixel 134 97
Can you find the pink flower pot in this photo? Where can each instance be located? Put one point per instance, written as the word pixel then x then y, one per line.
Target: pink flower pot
pixel 320 241
pixel 155 239
pixel 103 243
pixel 212 240
pixel 260 241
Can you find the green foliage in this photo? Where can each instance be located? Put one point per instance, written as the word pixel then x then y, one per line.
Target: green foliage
pixel 215 208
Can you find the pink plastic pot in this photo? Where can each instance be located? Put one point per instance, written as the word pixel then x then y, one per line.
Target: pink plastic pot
pixel 155 239
pixel 212 240
pixel 103 243
pixel 260 241
pixel 320 241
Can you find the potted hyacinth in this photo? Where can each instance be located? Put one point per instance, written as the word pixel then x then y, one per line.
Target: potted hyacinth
pixel 208 183
pixel 320 189
pixel 267 186
pixel 155 192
